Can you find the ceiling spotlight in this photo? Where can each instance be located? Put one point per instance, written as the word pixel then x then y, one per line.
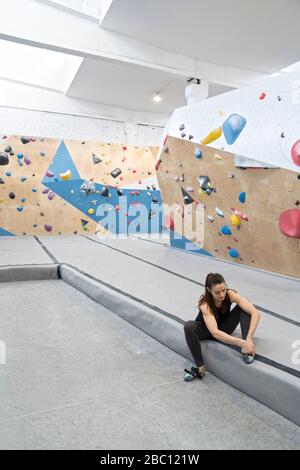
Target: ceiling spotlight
pixel 157 98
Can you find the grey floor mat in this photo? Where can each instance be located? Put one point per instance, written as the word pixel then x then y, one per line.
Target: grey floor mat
pixel 79 377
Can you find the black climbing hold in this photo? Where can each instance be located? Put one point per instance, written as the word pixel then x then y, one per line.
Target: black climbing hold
pixel 4 160
pixel 8 149
pixel 204 182
pixel 297 203
pixel 191 137
pixel 25 140
pixel 115 173
pixel 105 191
pixel 282 135
pixel 11 153
pixel 2 181
pixel 96 159
pixel 298 177
pixel 120 192
pixel 155 200
pixel 12 195
pixel 187 199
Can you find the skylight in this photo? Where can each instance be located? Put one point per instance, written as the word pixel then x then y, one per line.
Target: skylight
pixel 35 66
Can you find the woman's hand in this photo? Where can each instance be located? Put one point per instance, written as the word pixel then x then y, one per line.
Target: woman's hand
pixel 248 347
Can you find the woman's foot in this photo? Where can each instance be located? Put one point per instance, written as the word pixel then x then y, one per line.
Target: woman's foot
pixel 194 373
pixel 248 358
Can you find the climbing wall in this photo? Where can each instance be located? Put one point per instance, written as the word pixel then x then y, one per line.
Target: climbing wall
pixel 250 216
pixel 57 187
pixel 259 122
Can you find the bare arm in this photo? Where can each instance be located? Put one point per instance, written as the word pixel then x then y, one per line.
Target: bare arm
pixel 212 326
pixel 249 308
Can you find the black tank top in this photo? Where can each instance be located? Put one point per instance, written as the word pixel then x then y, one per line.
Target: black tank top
pixel 221 313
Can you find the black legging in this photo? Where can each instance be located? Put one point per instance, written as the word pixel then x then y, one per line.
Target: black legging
pixel 194 331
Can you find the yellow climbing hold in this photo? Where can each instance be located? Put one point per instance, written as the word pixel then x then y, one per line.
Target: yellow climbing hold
pixel 212 136
pixel 65 176
pixel 91 211
pixel 235 220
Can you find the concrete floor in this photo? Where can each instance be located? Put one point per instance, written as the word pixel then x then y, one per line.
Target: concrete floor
pixel 79 377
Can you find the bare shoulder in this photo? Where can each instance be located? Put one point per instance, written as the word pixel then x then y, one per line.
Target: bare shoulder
pixel 233 295
pixel 205 309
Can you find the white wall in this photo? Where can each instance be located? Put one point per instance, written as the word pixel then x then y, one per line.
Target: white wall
pixel 67 126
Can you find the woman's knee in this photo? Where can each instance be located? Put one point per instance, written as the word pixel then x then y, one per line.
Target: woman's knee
pixel 189 326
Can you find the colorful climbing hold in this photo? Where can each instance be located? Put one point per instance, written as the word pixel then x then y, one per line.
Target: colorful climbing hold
pixel 296 153
pixel 234 253
pixel 210 218
pixel 215 134
pixel 91 211
pixel 232 127
pixel 289 223
pixel 48 228
pixel 198 153
pixel 50 174
pixel 115 173
pixel 235 220
pixel 242 197
pixel 219 212
pixel 169 222
pixel 66 175
pixel 27 160
pixel 225 230
pixel 4 160
pixel 204 182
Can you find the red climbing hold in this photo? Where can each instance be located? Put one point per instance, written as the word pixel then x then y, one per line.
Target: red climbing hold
pixel 296 153
pixel 169 222
pixel 262 96
pixel 289 223
pixel 124 147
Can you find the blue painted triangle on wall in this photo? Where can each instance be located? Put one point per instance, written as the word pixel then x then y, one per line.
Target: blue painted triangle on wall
pixel 62 161
pixel 5 233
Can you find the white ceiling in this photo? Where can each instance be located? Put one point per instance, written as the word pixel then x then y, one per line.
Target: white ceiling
pixel 258 35
pixel 130 87
pixel 154 45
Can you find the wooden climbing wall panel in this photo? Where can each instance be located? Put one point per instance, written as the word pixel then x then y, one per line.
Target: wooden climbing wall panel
pixel 28 202
pixel 258 241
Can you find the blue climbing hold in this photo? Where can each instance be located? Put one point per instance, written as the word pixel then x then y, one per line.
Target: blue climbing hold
pixel 23 178
pixel 234 253
pixel 34 190
pixel 232 128
pixel 20 208
pixel 225 230
pixel 198 153
pixel 242 197
pixel 8 173
pixel 20 155
pixel 23 199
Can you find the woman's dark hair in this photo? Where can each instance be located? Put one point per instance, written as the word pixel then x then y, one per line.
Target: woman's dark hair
pixel 212 279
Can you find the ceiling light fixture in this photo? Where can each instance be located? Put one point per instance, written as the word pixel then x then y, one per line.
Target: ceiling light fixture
pixel 157 98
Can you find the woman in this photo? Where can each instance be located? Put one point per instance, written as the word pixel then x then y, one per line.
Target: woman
pixel 215 320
